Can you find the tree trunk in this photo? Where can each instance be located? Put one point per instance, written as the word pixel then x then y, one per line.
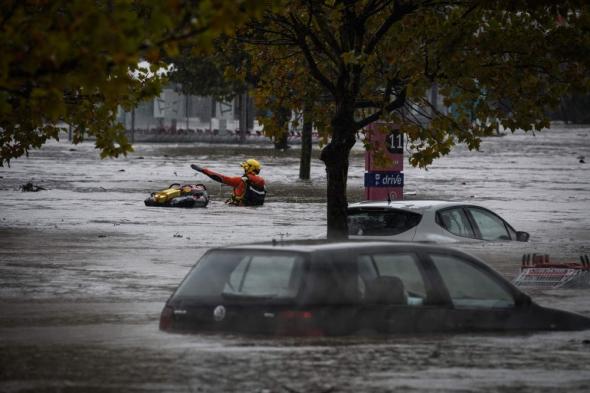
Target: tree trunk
pixel 306 145
pixel 335 156
pixel 283 116
pixel 281 142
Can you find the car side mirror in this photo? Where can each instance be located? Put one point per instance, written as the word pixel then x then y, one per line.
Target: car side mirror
pixel 522 236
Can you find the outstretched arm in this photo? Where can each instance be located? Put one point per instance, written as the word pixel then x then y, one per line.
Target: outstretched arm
pixel 232 181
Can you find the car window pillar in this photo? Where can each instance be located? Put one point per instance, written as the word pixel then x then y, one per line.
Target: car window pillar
pixel 474 227
pixel 436 290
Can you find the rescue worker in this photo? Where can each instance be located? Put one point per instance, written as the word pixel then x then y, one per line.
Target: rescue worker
pixel 249 189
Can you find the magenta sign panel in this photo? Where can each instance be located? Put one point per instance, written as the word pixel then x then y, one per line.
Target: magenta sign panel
pixel 384 163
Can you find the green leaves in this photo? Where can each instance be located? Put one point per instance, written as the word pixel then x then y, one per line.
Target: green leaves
pixel 71 61
pixel 493 64
pixel 351 57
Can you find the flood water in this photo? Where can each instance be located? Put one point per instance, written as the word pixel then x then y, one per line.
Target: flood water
pixel 85 269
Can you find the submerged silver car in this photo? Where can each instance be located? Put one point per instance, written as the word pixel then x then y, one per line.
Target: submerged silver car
pixel 429 221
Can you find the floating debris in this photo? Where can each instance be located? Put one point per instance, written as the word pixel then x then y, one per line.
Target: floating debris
pixel 30 187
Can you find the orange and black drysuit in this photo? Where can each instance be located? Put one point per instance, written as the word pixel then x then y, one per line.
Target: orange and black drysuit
pixel 249 189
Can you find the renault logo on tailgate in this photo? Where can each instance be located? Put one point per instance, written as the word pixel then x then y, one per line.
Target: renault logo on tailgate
pixel 219 313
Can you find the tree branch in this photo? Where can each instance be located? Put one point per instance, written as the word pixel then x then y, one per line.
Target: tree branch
pixel 399 102
pixel 313 66
pixel 396 15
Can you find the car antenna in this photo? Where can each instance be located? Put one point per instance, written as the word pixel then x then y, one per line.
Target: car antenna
pixel 388 198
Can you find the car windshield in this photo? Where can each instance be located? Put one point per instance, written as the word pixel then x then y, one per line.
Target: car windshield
pixel 380 222
pixel 239 275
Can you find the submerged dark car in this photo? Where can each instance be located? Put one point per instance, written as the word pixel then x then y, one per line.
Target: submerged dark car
pixel 342 288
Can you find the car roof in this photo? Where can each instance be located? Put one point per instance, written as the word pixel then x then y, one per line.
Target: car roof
pixel 316 245
pixel 417 205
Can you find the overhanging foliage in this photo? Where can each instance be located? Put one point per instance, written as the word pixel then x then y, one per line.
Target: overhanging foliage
pixel 71 62
pixel 497 63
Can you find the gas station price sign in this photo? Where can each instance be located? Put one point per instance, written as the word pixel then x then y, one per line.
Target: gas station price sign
pixel 384 183
pixel 394 142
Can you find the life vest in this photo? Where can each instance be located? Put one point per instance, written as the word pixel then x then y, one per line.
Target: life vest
pixel 254 195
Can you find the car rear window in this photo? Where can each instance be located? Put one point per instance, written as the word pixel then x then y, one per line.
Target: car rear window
pixel 381 222
pixel 239 275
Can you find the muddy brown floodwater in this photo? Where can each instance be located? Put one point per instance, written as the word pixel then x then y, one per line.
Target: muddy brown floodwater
pixel 85 269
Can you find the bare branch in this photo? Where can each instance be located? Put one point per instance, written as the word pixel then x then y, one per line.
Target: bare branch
pixel 399 11
pixel 313 66
pixel 333 55
pixel 399 102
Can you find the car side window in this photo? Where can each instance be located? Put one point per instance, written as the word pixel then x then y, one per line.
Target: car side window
pixel 469 286
pixel 332 281
pixel 455 221
pixel 265 275
pixel 491 227
pixel 396 274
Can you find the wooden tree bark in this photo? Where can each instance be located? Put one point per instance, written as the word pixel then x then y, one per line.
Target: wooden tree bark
pixel 306 145
pixel 335 157
pixel 281 141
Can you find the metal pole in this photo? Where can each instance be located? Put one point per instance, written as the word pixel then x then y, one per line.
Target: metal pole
pixel 186 97
pixel 133 125
pixel 213 114
pixel 434 97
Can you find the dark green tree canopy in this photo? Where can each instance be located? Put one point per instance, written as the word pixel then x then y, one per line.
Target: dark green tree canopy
pixel 76 61
pixel 494 62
